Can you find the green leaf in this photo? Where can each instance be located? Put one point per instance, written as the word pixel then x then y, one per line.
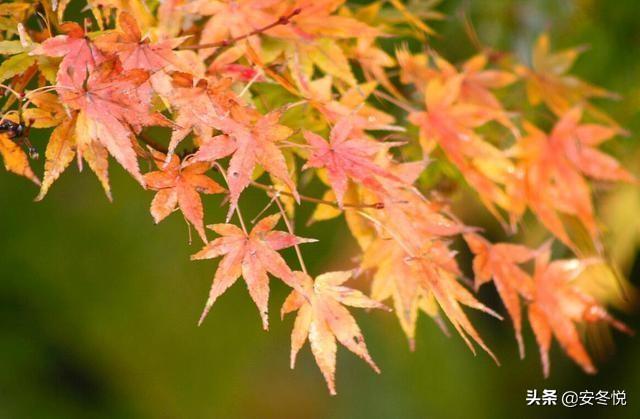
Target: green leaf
pixel 15 65
pixel 11 47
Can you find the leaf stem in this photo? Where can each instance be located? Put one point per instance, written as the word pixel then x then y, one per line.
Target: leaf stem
pixel 402 105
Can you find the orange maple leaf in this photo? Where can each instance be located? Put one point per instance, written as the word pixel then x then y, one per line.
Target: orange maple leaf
pixel 251 255
pixel 201 105
pixel 450 122
pixel 179 186
pixel 322 319
pixel 318 19
pixel 63 146
pixel 554 165
pixel 395 277
pixel 231 19
pixel 558 304
pixel 500 262
pixel 136 52
pixel 548 80
pixel 15 159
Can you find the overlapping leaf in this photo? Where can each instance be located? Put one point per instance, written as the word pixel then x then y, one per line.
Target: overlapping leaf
pixel 251 255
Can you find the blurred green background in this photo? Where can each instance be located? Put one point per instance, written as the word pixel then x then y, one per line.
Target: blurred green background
pixel 98 306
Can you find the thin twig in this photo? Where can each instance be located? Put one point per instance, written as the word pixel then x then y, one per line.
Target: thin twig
pixel 291 231
pixel 153 143
pixel 283 20
pixel 404 106
pixel 272 190
pixel 388 230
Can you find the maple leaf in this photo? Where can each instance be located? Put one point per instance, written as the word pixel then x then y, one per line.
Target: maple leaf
pixel 374 61
pixel 231 19
pixel 435 264
pixel 309 38
pixel 548 81
pixel 15 159
pixel 136 52
pixel 47 113
pixel 430 262
pixel 317 20
pixel 450 122
pixel 558 304
pixel 411 216
pixel 477 82
pixel 395 277
pixel 500 262
pixel 323 319
pixel 202 105
pixel 255 141
pixel 578 143
pixel 347 155
pixel 66 142
pixel 251 255
pixel 113 105
pixel 353 104
pixel 180 185
pixel 80 55
pixel 414 68
pixel 553 167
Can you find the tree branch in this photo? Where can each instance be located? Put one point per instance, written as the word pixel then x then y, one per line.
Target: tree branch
pixel 283 20
pixel 153 143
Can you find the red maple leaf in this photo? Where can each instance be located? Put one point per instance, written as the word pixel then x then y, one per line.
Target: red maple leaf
pixel 347 155
pixel 113 105
pixel 80 55
pixel 254 142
